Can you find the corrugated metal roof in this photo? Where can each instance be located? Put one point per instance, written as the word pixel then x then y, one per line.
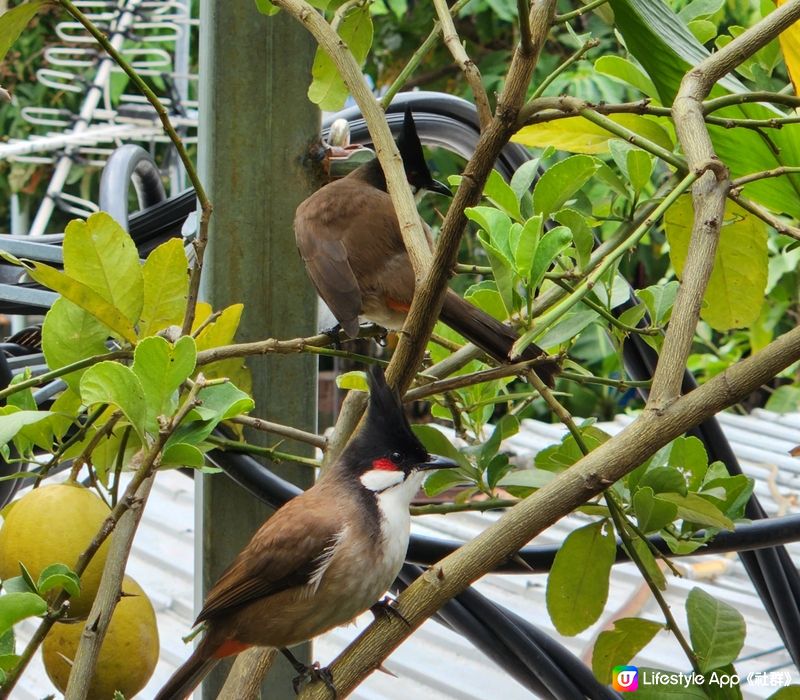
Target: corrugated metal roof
pixel 436 663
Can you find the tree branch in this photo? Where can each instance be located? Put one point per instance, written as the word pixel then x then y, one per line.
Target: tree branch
pixel 583 481
pixel 709 194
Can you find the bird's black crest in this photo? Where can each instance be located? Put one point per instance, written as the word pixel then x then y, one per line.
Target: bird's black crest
pixel 410 148
pixel 385 429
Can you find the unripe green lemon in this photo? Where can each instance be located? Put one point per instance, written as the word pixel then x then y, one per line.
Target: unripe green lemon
pixel 50 525
pixel 128 655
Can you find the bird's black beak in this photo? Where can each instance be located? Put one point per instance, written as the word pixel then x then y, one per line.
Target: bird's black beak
pixel 440 188
pixel 436 462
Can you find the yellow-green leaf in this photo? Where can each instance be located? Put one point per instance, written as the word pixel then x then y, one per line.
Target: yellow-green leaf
pixel 328 89
pixel 579 135
pixel 790 46
pixel 85 297
pixel 166 287
pixel 735 292
pixel 13 21
pixel 69 334
pixel 99 253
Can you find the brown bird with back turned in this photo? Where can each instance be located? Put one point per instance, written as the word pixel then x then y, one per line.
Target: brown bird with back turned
pixel 350 241
pixel 324 557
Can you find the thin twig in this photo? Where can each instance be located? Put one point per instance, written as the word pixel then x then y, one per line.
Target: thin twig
pixel 286 431
pixel 761 175
pixel 587 46
pixel 467 65
pixel 588 7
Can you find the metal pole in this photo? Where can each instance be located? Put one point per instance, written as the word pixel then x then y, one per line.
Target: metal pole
pixel 256 125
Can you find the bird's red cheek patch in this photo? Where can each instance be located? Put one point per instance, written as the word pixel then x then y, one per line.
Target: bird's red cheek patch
pixel 384 464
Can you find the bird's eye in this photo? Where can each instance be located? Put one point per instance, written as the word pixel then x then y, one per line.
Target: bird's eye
pixel 395 456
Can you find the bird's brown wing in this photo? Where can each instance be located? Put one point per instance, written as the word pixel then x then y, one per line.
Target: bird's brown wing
pixel 289 550
pixel 328 266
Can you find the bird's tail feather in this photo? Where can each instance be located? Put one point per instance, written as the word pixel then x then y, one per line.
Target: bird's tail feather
pixel 188 676
pixel 490 335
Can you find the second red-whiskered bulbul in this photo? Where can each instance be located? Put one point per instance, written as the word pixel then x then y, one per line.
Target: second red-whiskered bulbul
pixel 324 557
pixel 350 241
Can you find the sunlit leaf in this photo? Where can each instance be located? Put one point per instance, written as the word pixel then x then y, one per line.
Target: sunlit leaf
pixel 327 88
pixel 100 254
pixel 115 384
pixel 579 135
pixel 735 292
pixel 166 286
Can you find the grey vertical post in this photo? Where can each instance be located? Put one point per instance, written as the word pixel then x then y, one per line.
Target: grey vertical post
pixel 256 125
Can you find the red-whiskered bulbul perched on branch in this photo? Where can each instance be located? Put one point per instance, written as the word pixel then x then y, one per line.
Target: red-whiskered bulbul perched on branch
pixel 324 557
pixel 349 238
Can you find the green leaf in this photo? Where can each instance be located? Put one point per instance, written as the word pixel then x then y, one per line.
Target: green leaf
pixel 579 135
pixel 15 607
pixel 625 71
pixel 716 630
pixel 558 457
pixel 485 296
pixel 265 7
pixel 443 479
pixel 14 21
pixel 551 245
pixel 581 233
pixel 115 384
pixel 12 423
pixel 497 226
pixel 703 30
pixel 161 368
pixel 568 327
pixel 101 255
pixel 527 478
pixel 618 646
pixel 652 513
pixel 85 297
pixel 183 455
pixel 785 399
pixel 59 575
pixel 222 401
pixel 166 287
pixel 561 181
pixel 640 168
pixel 688 454
pixel 499 193
pixel 577 588
pixel 700 9
pixel 696 509
pixel 70 334
pixel 503 271
pixel 648 560
pixel 7 645
pixel 328 89
pixel 735 292
pixel 525 247
pixel 666 48
pixel 659 299
pixel 523 178
pixel 664 480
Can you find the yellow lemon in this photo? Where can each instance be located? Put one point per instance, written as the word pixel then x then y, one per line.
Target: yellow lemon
pixel 128 655
pixel 50 525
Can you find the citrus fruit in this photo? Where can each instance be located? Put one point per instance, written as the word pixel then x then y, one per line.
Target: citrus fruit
pixel 128 655
pixel 53 525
